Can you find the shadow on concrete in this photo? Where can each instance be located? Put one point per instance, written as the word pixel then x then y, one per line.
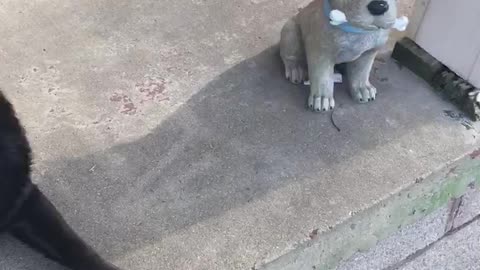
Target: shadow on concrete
pixel 242 136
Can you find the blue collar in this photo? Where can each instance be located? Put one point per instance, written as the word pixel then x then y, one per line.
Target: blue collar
pixel 345 27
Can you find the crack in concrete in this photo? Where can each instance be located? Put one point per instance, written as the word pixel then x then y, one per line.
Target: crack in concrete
pixel 422 251
pixel 452 216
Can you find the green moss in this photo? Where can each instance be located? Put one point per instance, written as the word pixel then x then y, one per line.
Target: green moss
pixel 406 207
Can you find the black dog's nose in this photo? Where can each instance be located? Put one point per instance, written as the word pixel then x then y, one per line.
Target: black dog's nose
pixel 378 8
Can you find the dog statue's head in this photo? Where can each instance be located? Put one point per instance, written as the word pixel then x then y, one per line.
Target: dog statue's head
pixel 368 14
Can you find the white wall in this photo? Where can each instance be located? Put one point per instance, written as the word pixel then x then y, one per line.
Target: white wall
pixel 450 31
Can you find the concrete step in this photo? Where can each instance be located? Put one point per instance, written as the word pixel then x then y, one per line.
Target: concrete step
pixel 168 137
pixel 448 238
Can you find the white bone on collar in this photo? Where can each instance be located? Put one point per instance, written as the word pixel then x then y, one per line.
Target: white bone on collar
pixel 401 23
pixel 337 17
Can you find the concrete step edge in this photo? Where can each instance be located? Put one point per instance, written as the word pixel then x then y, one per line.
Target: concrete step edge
pixel 404 207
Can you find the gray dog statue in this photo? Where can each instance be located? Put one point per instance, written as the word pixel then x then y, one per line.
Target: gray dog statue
pixel 331 32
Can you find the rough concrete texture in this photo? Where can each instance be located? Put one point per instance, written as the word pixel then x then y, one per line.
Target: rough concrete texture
pixel 469 207
pixel 427 236
pixel 401 244
pixel 365 229
pixel 424 245
pixel 458 251
pixel 166 134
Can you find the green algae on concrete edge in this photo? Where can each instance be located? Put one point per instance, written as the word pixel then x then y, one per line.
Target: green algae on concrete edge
pixel 365 229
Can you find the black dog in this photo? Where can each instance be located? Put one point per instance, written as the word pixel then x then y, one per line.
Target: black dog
pixel 25 212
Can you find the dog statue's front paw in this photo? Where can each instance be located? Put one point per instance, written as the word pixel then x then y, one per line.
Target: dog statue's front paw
pixel 363 93
pixel 318 101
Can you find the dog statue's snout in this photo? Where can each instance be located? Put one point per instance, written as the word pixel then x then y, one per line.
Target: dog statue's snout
pixel 378 8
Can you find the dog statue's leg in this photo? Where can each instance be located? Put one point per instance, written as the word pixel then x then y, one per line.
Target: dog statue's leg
pixel 358 73
pixel 293 53
pixel 320 70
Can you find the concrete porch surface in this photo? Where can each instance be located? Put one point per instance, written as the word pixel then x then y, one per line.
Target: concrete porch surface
pixel 168 137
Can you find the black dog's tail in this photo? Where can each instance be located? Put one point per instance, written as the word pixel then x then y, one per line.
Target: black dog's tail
pixel 41 226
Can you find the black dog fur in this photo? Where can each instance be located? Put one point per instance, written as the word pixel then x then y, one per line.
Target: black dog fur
pixel 25 212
